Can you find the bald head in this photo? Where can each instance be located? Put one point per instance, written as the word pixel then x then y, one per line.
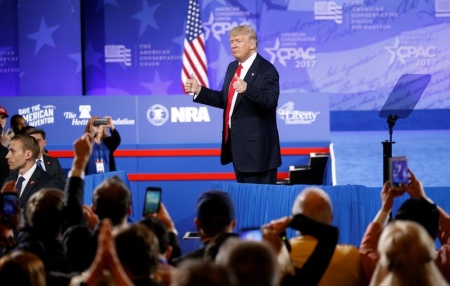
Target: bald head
pixel 314 203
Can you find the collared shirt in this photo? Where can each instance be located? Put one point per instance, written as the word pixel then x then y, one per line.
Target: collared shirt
pixel 42 162
pixel 245 67
pixel 27 177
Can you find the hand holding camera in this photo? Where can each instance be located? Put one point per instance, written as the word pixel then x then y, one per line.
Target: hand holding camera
pixel 107 121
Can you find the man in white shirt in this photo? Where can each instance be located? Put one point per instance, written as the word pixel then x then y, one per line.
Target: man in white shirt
pixel 21 157
pixel 49 164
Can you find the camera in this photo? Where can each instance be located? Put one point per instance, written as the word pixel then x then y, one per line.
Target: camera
pixel 152 200
pixel 398 171
pixel 100 121
pixel 254 234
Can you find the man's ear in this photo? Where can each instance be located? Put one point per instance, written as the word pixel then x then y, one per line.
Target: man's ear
pixel 28 154
pixel 197 223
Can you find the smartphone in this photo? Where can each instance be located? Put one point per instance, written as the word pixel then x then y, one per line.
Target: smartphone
pixel 9 205
pixel 152 200
pixel 191 235
pixel 254 234
pixel 398 171
pixel 100 121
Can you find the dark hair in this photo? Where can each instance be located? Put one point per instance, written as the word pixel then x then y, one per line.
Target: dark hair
pixel 45 212
pixel 22 268
pixel 421 211
pixel 196 272
pixel 112 199
pixel 28 143
pixel 34 130
pixel 137 249
pixel 215 211
pixel 13 123
pixel 160 230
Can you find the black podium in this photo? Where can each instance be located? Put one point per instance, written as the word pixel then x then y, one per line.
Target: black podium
pixel 400 104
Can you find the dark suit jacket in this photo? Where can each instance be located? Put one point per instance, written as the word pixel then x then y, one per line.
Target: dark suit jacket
pixel 4 167
pixel 53 167
pixel 255 144
pixel 38 180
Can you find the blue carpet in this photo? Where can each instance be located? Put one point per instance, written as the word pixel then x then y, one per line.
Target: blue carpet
pixel 359 156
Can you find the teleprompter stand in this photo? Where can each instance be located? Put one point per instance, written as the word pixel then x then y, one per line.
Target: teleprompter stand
pixel 400 104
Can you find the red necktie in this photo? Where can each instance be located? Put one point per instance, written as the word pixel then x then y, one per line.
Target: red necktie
pixel 229 101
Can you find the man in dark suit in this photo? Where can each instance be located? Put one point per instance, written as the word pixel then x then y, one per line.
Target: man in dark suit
pixel 250 136
pixel 23 149
pixel 49 164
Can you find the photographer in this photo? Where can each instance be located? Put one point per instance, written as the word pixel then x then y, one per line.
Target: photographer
pixel 102 158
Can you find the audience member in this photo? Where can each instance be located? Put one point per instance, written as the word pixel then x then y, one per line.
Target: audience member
pixel 23 151
pixel 197 272
pixel 4 167
pixel 17 123
pixel 9 222
pixel 22 268
pixel 138 251
pixel 215 222
pixel 345 265
pixel 253 263
pixel 111 199
pixel 5 134
pixel 45 215
pixel 106 268
pixel 407 255
pixel 164 216
pixel 47 163
pixel 317 263
pixel 164 269
pixel 102 158
pixel 420 209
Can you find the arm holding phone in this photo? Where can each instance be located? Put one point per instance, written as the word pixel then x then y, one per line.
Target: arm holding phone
pixel 9 217
pixel 153 207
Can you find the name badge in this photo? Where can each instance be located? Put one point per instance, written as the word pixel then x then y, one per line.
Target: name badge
pixel 100 166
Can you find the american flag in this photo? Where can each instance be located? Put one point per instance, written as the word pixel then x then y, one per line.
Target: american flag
pixel 194 56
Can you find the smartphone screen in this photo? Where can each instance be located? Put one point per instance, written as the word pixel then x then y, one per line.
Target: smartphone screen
pixel 9 204
pixel 254 234
pixel 398 171
pixel 152 200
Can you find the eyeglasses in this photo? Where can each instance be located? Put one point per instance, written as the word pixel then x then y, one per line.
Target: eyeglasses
pixel 2 116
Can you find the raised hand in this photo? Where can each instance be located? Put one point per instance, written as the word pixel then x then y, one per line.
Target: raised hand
pixel 191 85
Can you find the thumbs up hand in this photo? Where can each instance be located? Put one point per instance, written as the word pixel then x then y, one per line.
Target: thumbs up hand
pixel 239 85
pixel 191 85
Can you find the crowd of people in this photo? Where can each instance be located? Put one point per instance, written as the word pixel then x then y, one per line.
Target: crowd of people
pixel 53 239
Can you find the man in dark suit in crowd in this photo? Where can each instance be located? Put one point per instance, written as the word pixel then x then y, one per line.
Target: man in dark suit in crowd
pixel 250 136
pixel 4 169
pixel 17 123
pixel 215 222
pixel 23 150
pixel 49 164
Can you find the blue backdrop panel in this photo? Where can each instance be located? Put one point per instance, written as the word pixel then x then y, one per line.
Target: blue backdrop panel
pixel 355 51
pixel 49 47
pixel 64 118
pixel 164 120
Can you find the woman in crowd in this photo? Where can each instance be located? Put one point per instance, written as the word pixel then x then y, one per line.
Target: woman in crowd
pixel 102 158
pixel 407 254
